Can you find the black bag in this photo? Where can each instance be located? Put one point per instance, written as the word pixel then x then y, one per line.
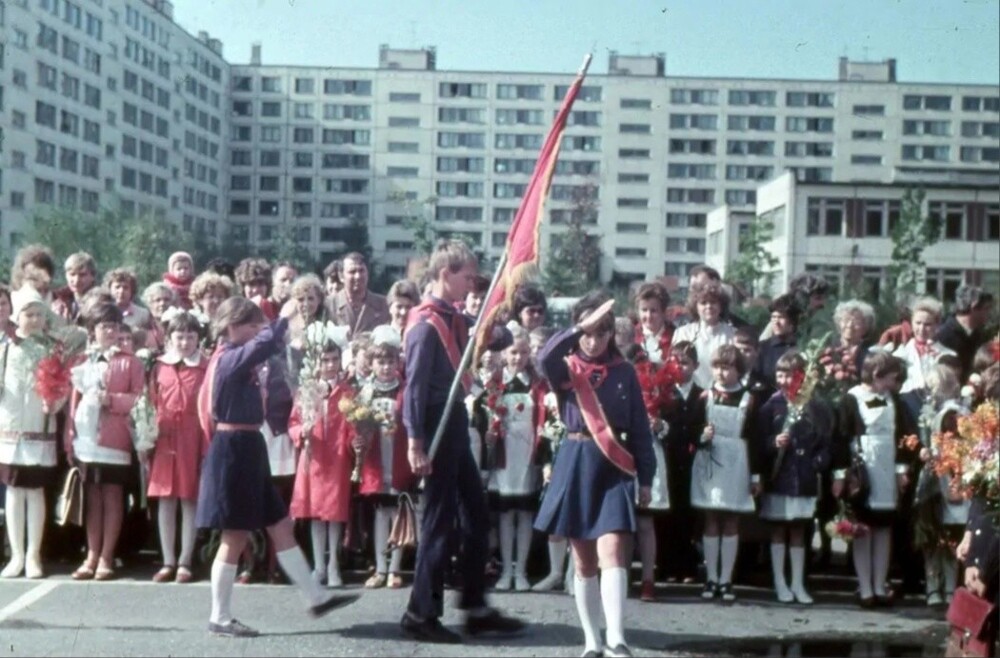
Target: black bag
pixel 857 486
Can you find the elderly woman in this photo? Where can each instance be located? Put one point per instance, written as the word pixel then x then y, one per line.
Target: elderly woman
pixel 209 290
pixel 157 297
pixel 853 320
pixel 123 286
pixel 707 304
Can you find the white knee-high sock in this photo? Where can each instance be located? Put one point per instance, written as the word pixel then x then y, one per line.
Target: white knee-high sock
pixel 729 546
pixel 949 571
pixel 614 590
pixel 293 562
pixel 881 539
pixel 861 552
pixel 506 532
pixel 587 592
pixel 188 531
pixel 778 569
pixel 797 556
pixel 383 524
pixel 711 547
pixel 336 533
pixel 318 532
pixel 524 534
pixel 166 518
pixel 557 557
pixel 223 578
pixel 16 512
pixel 932 573
pixel 35 508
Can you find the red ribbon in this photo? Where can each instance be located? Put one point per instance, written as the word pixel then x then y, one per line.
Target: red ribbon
pixel 593 413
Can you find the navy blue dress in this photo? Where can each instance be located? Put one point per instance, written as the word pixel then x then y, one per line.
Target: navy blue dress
pixel 236 490
pixel 588 496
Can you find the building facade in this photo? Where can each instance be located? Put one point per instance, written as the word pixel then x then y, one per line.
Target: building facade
pixel 252 152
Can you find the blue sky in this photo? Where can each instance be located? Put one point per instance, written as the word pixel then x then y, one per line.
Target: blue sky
pixel 932 40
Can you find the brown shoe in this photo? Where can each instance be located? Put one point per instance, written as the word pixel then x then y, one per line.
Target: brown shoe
pixel 104 573
pixel 166 573
pixel 648 593
pixel 84 572
pixel 184 575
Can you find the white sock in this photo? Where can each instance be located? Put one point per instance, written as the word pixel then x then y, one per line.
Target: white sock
pixel 318 532
pixel 862 555
pixel 336 533
pixel 614 590
pixel 778 568
pixel 293 562
pixel 524 535
pixel 949 571
pixel 188 532
pixel 881 538
pixel 383 524
pixel 396 561
pixel 711 548
pixel 729 546
pixel 557 557
pixel 587 593
pixel 35 500
pixel 506 524
pixel 166 518
pixel 797 556
pixel 223 578
pixel 14 506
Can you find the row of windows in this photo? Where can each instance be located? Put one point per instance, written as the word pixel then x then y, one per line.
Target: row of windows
pixel 144 182
pixel 201 91
pixel 202 119
pixel 146 58
pixel 140 86
pixel 67 122
pixel 200 172
pixel 69 86
pixel 272 208
pixel 271 158
pixel 201 199
pixel 48 192
pixel 143 150
pixel 67 160
pixel 147 27
pixel 200 145
pixel 878 218
pixel 74 16
pixel 147 121
pixel 48 39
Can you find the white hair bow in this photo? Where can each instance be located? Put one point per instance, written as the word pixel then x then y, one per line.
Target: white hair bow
pixel 385 334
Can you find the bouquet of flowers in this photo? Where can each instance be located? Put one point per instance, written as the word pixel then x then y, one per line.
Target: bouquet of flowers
pixel 367 423
pixel 657 384
pixel 53 378
pixel 971 457
pixel 800 391
pixel 844 526
pixel 836 371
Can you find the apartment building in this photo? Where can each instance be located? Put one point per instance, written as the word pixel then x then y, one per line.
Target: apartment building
pixel 250 149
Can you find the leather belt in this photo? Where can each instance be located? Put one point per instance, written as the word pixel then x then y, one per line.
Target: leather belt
pixel 578 436
pixel 236 427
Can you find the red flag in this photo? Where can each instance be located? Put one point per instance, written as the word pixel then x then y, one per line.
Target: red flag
pixel 523 238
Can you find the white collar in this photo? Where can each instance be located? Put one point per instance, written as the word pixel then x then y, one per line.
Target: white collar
pixel 733 389
pixel 685 389
pixel 865 394
pixel 651 334
pixel 172 358
pixel 522 376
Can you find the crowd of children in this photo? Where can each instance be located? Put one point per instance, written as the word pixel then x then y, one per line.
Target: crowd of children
pixel 734 433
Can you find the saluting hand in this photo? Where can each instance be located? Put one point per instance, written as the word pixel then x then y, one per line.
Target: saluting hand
pixel 587 324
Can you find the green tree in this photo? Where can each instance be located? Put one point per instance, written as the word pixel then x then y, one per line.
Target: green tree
pixel 572 266
pixel 911 235
pixel 418 218
pixel 753 269
pixel 285 246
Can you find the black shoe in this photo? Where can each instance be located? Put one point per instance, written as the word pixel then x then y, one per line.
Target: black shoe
pixel 232 629
pixel 620 651
pixel 494 622
pixel 332 603
pixel 883 601
pixel 867 603
pixel 728 593
pixel 428 630
pixel 710 591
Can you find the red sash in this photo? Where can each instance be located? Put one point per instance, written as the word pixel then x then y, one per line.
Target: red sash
pixel 448 338
pixel 593 416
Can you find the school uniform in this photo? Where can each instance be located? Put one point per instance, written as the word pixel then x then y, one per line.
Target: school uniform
pixel 515 478
pixel 385 471
pixel 590 495
pixel 28 446
pixel 768 353
pixel 724 468
pixel 791 475
pixel 236 491
pixel 181 444
pixel 323 478
pixel 659 489
pixel 706 340
pixel 685 423
pixel 278 400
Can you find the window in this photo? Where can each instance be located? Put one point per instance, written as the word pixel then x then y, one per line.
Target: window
pixel 404 147
pixel 630 252
pixel 239 182
pixel 305 86
pixel 694 97
pixel 270 109
pixel 636 104
pixel 746 97
pixel 270 158
pixel 633 154
pixel 303 135
pixel 685 245
pixel 587 94
pixel 750 122
pixel 583 118
pixel 240 158
pixel 48 39
pixel 303 110
pixel 699 146
pixel 809 149
pixel 919 152
pixel 347 185
pixel 808 99
pixel 461 140
pixel 241 133
pixel 45 191
pixel 47 76
pixel 979 154
pixel 933 103
pixel 686 219
pixel 466 115
pixel 867 135
pixel 242 83
pixel 302 184
pixel 347 87
pixel 519 92
pixel 404 122
pixel 809 124
pixel 866 160
pixel 869 110
pixel 980 103
pixel 459 189
pixel 45 153
pixel 508 190
pixel 633 178
pixel 269 184
pixel 741 197
pixel 270 85
pixel 575 143
pixel 700 171
pixel 516 141
pixel 357 137
pixel 981 129
pixel 952 219
pixel 461 90
pixel 403 97
pixel 690 195
pixel 509 117
pixel 303 159
pixel 514 165
pixel 626 202
pixel 743 147
pixel 332 111
pixel 814 174
pixel 270 133
pixel 937 128
pixel 268 208
pixel 70 50
pixel 694 121
pixel 345 161
pixel 345 210
pixel 825 217
pixel 402 172
pixel 741 172
pixel 92 97
pixel 634 129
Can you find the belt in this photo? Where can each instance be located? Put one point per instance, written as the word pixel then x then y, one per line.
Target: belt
pixel 236 427
pixel 578 436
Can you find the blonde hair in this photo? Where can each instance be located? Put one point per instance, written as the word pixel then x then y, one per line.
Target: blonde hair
pixel 927 305
pixel 404 289
pixel 81 260
pixel 122 275
pixel 235 311
pixel 305 283
pixel 943 383
pixel 208 281
pixel 155 289
pixel 450 254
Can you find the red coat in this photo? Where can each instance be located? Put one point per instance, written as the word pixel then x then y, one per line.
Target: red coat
pixel 371 469
pixel 323 482
pixel 124 381
pixel 176 464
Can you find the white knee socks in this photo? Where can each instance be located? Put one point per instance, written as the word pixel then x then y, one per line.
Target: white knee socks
pixel 318 532
pixel 524 534
pixel 293 562
pixel 730 544
pixel 587 593
pixel 188 530
pixel 861 552
pixel 15 504
pixel 797 556
pixel 223 578
pixel 778 570
pixel 167 520
pixel 336 533
pixel 949 571
pixel 710 546
pixel 880 559
pixel 614 590
pixel 383 525
pixel 557 558
pixel 35 507
pixel 506 533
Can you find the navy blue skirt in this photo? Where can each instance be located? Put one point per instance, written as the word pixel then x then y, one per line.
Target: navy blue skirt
pixel 587 496
pixel 236 490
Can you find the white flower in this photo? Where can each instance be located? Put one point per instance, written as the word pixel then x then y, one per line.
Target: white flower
pixel 144 353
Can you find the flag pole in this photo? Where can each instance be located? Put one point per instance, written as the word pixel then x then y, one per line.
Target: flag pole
pixel 474 331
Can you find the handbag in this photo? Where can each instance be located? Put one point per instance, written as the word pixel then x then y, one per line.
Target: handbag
pixel 857 485
pixel 404 529
pixel 69 505
pixel 973 626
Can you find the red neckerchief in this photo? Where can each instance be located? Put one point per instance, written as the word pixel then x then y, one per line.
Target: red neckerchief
pixel 923 349
pixel 582 377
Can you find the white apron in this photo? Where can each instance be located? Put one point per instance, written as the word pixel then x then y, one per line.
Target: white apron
pixel 878 448
pixel 280 452
pixel 660 499
pixel 520 476
pixel 720 476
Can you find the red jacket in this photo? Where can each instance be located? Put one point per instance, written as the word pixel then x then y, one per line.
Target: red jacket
pixel 371 469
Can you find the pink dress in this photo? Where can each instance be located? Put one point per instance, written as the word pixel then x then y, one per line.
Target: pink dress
pixel 176 464
pixel 323 482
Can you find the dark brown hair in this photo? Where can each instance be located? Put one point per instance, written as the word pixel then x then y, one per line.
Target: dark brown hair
pixel 730 355
pixel 878 364
pixel 652 290
pixel 234 312
pixel 709 292
pixel 685 349
pixel 790 361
